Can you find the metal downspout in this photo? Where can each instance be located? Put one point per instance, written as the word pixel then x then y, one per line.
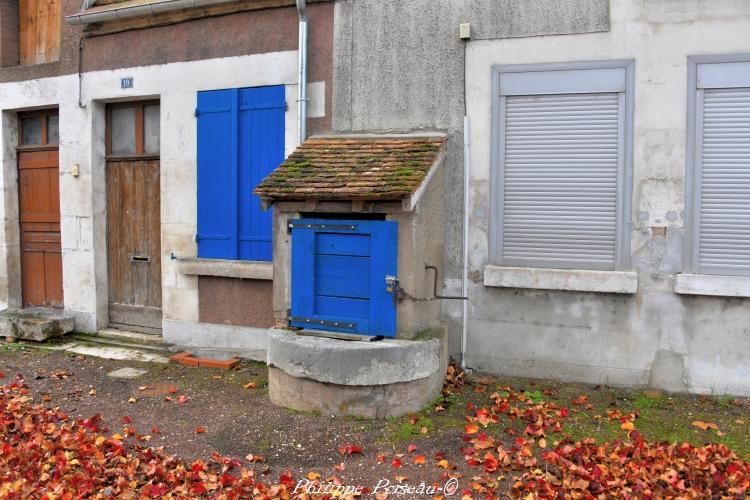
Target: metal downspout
pixel 465 270
pixel 302 76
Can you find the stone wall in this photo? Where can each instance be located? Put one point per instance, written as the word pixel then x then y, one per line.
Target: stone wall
pixel 83 204
pixel 244 49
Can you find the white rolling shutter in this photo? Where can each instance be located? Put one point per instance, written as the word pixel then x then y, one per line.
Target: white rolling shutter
pixel 724 173
pixel 561 155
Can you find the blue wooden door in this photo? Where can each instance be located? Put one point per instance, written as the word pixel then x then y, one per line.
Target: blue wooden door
pixel 339 272
pixel 240 141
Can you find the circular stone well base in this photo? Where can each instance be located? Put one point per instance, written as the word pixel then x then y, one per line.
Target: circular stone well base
pixel 389 378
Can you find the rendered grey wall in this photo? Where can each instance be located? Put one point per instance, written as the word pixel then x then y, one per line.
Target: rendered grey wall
pixel 399 66
pixel 682 342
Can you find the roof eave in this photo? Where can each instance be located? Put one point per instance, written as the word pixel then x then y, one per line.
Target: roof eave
pixel 117 12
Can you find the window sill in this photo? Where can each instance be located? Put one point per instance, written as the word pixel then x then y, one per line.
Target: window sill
pixel 257 270
pixel 625 282
pixel 706 284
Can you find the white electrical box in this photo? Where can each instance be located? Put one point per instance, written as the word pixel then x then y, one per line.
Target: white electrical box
pixel 464 31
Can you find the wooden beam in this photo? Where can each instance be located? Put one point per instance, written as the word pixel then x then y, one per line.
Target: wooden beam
pixel 189 15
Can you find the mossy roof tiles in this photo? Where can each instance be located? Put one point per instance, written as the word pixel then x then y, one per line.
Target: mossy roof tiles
pixel 353 168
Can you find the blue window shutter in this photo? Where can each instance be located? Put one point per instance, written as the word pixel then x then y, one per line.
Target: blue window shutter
pixel 339 276
pixel 261 132
pixel 217 174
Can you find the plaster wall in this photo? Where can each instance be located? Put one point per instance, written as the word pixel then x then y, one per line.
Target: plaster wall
pixel 83 200
pixel 655 336
pixel 399 66
pixel 420 243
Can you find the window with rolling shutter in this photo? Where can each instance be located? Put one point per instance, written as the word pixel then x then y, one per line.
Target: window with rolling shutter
pixel 719 168
pixel 562 170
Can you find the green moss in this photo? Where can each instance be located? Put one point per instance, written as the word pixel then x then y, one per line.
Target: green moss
pixel 400 430
pixel 13 347
pixel 292 411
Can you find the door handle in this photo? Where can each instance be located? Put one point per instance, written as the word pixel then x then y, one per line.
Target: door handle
pixel 145 259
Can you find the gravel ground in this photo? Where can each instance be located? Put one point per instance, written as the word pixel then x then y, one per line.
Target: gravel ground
pixel 171 401
pixel 238 421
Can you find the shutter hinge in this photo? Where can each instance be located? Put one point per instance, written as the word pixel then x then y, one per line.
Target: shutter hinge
pixel 196 113
pixel 286 106
pixel 322 322
pixel 324 227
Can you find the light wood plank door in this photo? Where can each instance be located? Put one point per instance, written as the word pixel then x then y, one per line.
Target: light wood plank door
pixel 133 217
pixel 39 31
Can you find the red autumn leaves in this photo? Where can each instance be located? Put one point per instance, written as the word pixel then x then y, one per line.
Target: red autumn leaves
pixel 42 451
pixel 636 468
pixel 45 454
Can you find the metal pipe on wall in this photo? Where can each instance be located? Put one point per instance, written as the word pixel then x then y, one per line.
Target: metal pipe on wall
pixel 465 274
pixel 302 76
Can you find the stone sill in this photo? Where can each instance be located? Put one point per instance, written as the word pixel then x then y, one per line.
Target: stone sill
pixel 561 279
pixel 705 284
pixel 247 269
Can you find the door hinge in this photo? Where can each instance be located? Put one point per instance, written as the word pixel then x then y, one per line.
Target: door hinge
pixel 325 227
pixel 322 322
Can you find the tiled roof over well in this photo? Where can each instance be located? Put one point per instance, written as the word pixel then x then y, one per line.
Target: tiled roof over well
pixel 353 168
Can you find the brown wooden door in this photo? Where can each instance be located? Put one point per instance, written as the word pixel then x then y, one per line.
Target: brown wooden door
pixel 134 243
pixel 39 211
pixel 133 219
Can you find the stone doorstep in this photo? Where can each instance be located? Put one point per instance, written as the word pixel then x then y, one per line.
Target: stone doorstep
pixel 122 353
pixel 187 359
pixel 128 336
pixel 35 324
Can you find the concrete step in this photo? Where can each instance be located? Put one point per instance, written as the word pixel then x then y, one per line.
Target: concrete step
pixel 155 347
pixel 91 345
pixel 130 336
pixel 35 324
pixel 116 352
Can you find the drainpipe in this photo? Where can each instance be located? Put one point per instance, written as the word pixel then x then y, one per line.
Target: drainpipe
pixel 465 276
pixel 302 77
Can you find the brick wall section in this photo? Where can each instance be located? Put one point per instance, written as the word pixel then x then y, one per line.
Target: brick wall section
pixel 235 34
pixel 8 33
pixel 234 301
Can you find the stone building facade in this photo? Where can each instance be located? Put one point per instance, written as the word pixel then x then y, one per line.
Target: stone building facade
pixel 649 306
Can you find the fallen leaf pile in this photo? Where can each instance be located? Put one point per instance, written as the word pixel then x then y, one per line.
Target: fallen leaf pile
pixel 632 468
pixel 44 454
